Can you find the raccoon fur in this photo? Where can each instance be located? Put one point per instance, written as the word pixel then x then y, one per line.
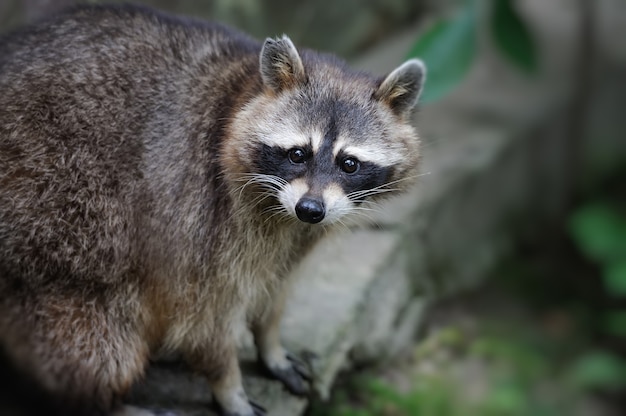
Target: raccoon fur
pixel 159 179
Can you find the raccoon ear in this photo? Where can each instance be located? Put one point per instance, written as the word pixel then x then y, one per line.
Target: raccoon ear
pixel 281 66
pixel 402 87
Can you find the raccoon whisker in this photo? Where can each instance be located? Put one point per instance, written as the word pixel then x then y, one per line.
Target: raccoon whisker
pixel 356 219
pixel 379 189
pixel 243 187
pixel 237 213
pixel 348 209
pixel 262 195
pixel 359 216
pixel 346 213
pixel 428 142
pixel 411 177
pixel 279 212
pixel 275 211
pixel 245 208
pixel 369 192
pixel 262 178
pixel 345 226
pixel 360 198
pixel 267 181
pixel 270 183
pixel 372 206
pixel 360 211
pixel 268 191
pixel 270 186
pixel 383 188
pixel 339 222
pixel 330 229
pixel 259 199
pixel 369 202
pixel 406 178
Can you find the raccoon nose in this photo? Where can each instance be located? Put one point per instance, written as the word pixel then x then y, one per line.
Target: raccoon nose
pixel 310 210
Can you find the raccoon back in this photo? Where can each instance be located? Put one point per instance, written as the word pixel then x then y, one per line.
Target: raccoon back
pixel 101 128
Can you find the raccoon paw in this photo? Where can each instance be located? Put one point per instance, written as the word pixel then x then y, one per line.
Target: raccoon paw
pixel 295 376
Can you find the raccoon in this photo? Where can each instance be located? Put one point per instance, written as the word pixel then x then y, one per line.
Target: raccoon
pixel 159 179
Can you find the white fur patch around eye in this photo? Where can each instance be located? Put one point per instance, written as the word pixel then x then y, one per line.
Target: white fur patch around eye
pixel 288 138
pixel 284 139
pixel 291 194
pixel 337 204
pixel 380 155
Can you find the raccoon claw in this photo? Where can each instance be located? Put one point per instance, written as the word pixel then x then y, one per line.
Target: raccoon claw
pixel 291 379
pixel 258 409
pixel 301 367
pixel 295 377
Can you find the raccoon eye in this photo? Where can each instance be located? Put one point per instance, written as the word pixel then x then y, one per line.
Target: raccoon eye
pixel 297 156
pixel 350 165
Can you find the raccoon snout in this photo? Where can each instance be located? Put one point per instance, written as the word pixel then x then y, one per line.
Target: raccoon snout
pixel 310 210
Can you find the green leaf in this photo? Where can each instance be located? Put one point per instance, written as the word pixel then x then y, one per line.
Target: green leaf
pixel 599 232
pixel 512 36
pixel 598 369
pixel 615 278
pixel 506 399
pixel 448 49
pixel 615 323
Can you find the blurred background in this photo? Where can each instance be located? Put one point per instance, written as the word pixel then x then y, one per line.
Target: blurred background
pixel 543 332
pixel 346 27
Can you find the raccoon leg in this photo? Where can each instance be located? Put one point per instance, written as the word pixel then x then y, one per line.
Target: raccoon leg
pixel 219 363
pixel 82 356
pixel 280 364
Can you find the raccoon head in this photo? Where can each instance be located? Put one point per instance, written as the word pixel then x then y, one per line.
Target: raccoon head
pixel 321 141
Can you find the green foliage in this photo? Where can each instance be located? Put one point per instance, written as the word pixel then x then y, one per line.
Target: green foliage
pixel 600 232
pixel 512 36
pixel 615 277
pixel 598 369
pixel 449 47
pixel 530 364
pixel 428 397
pixel 515 368
pixel 448 50
pixel 615 323
pixel 505 399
